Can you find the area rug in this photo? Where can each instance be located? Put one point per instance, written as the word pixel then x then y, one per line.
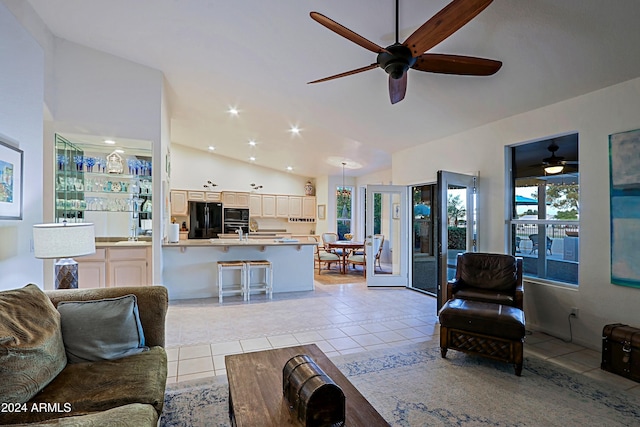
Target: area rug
pixel 335 277
pixel 413 386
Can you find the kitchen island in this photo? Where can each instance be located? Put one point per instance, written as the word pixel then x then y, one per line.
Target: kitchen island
pixel 189 267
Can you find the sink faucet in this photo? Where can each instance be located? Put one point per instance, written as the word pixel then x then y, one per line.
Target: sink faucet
pixel 239 231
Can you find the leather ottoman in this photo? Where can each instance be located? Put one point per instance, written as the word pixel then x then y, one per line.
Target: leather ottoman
pixel 492 330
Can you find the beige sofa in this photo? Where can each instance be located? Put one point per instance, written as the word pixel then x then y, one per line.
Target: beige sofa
pixel 127 391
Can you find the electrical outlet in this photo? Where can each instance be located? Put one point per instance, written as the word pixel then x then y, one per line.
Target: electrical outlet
pixel 574 312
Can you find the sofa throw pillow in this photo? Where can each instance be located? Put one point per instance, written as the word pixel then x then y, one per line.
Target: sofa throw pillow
pixel 103 329
pixel 31 348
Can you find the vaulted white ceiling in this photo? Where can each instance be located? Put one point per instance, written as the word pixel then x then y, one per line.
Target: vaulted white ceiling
pixel 258 55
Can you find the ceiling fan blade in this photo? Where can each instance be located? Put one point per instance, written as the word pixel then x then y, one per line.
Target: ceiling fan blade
pixel 444 23
pixel 456 64
pixel 347 73
pixel 397 88
pixel 346 33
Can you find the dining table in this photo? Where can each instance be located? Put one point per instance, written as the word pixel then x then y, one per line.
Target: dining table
pixel 347 246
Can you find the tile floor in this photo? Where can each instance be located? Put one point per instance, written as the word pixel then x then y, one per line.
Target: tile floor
pixel 340 319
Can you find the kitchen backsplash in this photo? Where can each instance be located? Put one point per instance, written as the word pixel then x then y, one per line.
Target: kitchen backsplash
pixel 283 224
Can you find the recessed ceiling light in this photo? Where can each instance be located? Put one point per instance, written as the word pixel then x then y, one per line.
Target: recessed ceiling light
pixel 233 111
pixel 252 143
pixel 253 159
pixel 289 168
pixel 119 151
pixel 295 130
pixel 109 141
pixel 211 148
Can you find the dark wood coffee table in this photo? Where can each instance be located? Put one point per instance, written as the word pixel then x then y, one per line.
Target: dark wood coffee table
pixel 255 389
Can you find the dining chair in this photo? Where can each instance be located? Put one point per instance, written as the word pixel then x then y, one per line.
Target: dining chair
pixel 330 238
pixel 358 259
pixel 324 257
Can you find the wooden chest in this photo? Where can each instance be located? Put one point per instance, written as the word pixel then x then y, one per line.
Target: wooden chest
pixel 621 350
pixel 312 395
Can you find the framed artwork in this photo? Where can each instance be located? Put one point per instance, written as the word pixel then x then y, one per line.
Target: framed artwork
pixel 624 174
pixel 396 211
pixel 10 181
pixel 322 211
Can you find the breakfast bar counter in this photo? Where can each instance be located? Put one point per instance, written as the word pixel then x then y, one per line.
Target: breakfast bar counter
pixel 189 267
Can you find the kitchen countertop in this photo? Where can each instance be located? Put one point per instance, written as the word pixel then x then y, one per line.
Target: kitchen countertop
pixel 236 242
pixel 123 244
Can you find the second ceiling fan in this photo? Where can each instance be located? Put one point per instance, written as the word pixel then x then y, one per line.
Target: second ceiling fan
pixel 397 58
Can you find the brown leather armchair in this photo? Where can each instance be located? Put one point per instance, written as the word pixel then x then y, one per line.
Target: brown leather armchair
pixel 493 278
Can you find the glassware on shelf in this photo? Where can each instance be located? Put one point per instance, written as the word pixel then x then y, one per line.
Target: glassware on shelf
pixel 131 164
pixel 89 163
pixel 62 161
pixel 101 162
pixel 145 187
pixel 78 159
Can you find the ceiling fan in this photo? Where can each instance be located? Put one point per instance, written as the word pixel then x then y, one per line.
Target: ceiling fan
pixel 397 58
pixel 555 164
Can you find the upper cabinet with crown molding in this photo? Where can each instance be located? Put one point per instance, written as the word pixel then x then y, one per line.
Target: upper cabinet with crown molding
pixel 234 199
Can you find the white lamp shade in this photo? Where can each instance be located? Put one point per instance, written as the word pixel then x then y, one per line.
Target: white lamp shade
pixel 63 240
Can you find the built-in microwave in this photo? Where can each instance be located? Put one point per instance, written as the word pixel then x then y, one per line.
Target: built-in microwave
pixel 236 215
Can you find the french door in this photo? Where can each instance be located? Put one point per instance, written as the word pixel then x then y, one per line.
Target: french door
pixel 457 224
pixel 387 235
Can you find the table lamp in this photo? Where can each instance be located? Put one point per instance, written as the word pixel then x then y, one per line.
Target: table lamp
pixel 64 241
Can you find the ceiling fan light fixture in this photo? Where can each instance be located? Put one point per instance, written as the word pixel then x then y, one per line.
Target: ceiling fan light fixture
pixel 554 169
pixel 396 60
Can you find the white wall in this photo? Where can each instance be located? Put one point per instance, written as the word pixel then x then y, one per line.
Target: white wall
pixel 594 116
pixel 191 169
pixel 322 198
pixel 100 94
pixel 21 122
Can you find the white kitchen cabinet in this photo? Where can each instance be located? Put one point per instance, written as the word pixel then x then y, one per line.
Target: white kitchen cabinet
pixel 233 199
pixel 309 207
pixel 179 204
pixel 242 199
pixel 268 206
pixel 128 266
pixel 92 270
pixel 115 266
pixel 92 274
pixel 211 196
pixel 128 273
pixel 282 206
pixel 196 196
pixel 255 205
pixel 295 207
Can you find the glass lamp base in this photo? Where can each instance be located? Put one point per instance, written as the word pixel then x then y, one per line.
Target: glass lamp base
pixel 66 274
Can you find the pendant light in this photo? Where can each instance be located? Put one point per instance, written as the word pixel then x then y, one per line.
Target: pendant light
pixel 553 164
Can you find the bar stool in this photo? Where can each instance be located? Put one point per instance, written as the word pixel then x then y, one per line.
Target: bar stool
pixel 231 288
pixel 264 286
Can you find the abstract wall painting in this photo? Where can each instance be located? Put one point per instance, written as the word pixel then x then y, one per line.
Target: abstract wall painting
pixel 10 182
pixel 624 174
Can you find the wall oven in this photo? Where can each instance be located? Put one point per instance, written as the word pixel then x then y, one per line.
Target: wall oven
pixel 235 218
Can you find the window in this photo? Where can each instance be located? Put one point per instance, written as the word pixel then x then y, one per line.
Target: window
pixel 545 219
pixel 344 204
